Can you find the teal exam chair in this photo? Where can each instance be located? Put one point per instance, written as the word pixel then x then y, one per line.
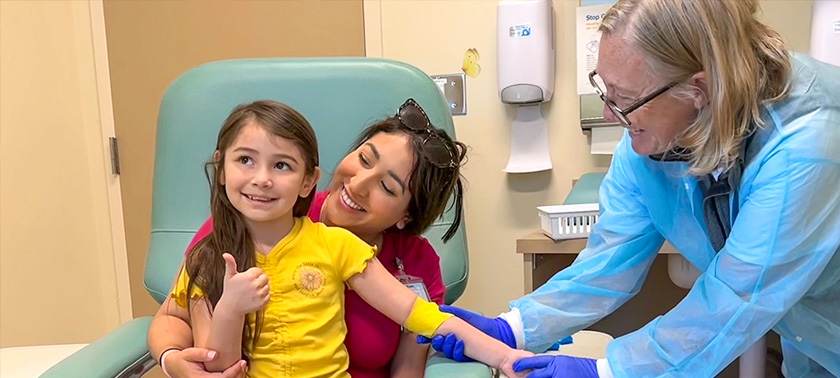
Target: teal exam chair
pixel 339 96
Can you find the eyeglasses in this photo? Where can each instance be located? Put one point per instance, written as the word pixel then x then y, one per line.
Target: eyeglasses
pixel 434 147
pixel 622 114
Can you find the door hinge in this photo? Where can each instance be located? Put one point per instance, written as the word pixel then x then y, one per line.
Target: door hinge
pixel 115 155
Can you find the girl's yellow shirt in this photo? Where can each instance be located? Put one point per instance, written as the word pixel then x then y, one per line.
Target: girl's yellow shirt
pixel 303 329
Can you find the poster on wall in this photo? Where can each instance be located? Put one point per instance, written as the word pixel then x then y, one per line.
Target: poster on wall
pixel 587 20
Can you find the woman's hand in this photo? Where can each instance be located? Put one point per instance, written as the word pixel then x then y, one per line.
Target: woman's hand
pixel 557 367
pixel 449 345
pixel 244 292
pixel 189 363
pixel 453 348
pixel 510 358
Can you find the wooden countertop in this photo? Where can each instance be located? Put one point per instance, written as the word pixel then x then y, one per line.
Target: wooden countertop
pixel 537 242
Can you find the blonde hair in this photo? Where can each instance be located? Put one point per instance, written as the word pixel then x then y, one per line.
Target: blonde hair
pixel 746 64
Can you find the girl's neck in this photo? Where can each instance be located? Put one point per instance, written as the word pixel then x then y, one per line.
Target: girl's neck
pixel 266 235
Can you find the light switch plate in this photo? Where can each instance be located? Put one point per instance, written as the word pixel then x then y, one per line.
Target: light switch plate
pixel 454 89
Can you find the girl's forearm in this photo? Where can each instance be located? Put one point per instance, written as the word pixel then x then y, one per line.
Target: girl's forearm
pixel 477 345
pixel 387 295
pixel 225 337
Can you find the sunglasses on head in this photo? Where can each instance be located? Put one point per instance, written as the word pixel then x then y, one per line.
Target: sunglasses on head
pixel 433 147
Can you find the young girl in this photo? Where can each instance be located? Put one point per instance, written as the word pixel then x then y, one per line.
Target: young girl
pixel 288 294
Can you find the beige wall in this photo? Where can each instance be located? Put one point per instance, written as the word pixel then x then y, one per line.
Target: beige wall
pixel 58 279
pixel 501 207
pixel 150 43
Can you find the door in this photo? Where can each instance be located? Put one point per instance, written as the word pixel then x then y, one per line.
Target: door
pixel 63 271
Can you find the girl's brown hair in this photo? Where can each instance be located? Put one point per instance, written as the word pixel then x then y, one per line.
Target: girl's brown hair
pixel 205 265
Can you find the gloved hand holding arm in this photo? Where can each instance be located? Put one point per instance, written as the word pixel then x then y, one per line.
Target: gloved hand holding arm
pixel 453 348
pixel 557 367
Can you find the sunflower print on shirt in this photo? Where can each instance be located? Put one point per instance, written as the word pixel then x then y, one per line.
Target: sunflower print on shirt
pixel 308 279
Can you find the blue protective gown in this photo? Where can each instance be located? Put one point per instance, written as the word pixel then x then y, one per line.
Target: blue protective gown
pixel 779 268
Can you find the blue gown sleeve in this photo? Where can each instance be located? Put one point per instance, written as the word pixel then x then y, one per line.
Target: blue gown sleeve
pixel 783 239
pixel 607 273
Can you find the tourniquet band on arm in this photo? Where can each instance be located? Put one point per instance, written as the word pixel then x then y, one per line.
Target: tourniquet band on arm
pixel 425 318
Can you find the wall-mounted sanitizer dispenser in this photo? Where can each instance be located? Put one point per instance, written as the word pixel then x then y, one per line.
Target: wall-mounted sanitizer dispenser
pixel 526 51
pixel 525 39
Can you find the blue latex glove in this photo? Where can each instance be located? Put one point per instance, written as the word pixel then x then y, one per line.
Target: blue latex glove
pixel 453 348
pixel 564 341
pixel 450 345
pixel 557 367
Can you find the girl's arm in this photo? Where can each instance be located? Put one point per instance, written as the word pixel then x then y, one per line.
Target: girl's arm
pixel 382 291
pixel 420 260
pixel 171 329
pixel 410 359
pixel 221 330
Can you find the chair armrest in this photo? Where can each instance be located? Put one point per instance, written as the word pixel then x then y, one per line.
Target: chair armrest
pixel 438 366
pixel 120 353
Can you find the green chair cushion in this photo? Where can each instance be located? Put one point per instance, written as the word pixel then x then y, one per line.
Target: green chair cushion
pixel 586 189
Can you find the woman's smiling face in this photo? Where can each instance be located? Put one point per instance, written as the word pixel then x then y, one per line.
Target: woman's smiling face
pixel 655 125
pixel 369 192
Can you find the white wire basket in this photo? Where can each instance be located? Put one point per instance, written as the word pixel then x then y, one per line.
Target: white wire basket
pixel 568 221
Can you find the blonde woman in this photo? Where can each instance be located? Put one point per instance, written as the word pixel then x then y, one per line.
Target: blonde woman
pixel 732 154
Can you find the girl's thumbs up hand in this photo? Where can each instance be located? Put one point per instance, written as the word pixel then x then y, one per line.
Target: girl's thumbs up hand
pixel 244 292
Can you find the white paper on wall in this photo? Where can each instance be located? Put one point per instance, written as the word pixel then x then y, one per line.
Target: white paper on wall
pixel 529 149
pixel 587 20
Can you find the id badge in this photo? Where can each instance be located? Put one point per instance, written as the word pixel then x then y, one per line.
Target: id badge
pixel 416 285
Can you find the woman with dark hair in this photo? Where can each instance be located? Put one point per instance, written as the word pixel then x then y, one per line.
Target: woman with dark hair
pixel 395 182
